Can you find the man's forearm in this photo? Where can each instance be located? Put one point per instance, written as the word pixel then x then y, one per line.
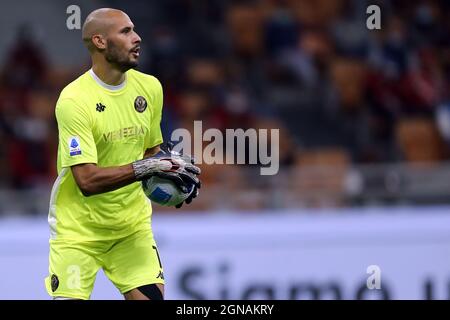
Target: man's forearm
pixel 94 180
pixel 152 151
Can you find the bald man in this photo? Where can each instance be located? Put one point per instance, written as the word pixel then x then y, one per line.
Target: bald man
pixel 109 140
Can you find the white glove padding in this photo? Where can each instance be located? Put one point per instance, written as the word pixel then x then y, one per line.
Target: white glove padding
pixel 178 168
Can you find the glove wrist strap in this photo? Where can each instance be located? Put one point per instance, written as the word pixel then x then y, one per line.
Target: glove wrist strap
pixel 147 167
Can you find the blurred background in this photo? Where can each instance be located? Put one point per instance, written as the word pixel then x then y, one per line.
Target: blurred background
pixel 364 120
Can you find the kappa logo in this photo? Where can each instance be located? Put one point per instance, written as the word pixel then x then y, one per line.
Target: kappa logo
pixel 100 107
pixel 160 275
pixel 54 282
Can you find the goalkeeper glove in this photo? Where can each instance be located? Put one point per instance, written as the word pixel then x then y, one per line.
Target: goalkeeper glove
pixel 191 179
pixel 168 164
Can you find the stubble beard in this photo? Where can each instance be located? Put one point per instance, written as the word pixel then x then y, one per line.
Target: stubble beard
pixel 114 57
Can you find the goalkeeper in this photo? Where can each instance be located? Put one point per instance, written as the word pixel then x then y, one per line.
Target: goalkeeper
pixel 109 140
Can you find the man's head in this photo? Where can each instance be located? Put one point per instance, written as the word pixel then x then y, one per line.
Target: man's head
pixel 110 33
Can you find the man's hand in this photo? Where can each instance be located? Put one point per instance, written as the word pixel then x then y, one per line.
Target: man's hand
pixel 170 165
pixel 193 195
pixel 189 177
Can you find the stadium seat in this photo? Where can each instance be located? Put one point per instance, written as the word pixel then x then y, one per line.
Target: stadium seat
pixel 419 140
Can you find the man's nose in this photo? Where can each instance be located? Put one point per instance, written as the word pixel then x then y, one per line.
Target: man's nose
pixel 137 39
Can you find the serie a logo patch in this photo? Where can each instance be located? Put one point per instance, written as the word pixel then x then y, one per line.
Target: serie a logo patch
pixel 74 146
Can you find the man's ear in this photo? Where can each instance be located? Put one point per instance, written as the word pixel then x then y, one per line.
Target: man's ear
pixel 99 41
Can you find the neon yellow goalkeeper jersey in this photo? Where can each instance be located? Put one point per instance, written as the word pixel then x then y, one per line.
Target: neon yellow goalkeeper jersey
pixel 108 126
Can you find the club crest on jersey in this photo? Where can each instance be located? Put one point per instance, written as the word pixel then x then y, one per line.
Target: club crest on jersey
pixel 74 146
pixel 140 104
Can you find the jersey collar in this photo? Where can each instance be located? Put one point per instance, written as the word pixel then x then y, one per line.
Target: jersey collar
pixel 105 85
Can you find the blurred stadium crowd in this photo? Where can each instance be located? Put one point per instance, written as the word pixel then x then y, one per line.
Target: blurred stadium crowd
pixel 341 94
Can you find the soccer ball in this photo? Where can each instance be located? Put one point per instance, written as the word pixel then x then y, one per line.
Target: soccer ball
pixel 164 191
